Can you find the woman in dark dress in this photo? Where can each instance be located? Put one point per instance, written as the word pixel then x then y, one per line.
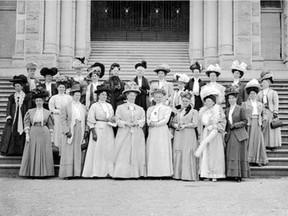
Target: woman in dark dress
pixel 237 165
pixel 142 99
pixel 13 138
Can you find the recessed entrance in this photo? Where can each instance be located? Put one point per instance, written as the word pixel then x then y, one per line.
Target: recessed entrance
pixel 140 20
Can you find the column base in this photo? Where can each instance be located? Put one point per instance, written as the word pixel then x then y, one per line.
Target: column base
pixel 43 60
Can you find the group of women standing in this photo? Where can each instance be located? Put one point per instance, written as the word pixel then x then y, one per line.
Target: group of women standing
pixel 133 129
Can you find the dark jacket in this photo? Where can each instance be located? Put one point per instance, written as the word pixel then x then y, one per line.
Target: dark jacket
pixel 142 98
pixel 189 86
pixel 242 95
pixel 116 97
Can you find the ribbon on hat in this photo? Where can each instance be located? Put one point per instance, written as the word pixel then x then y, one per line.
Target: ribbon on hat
pixel 214 68
pixel 237 66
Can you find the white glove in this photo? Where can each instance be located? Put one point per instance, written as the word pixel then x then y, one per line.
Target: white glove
pixel 27 138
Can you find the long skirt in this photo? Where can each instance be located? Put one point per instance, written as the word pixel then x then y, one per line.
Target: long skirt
pixel 237 164
pixel 185 163
pixel 70 162
pixel 256 146
pixel 212 162
pixel 37 157
pixel 99 155
pixel 58 136
pixel 129 156
pixel 272 137
pixel 159 152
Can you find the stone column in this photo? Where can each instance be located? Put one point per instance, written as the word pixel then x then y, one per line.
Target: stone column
pixel 81 27
pixel 196 30
pixel 50 45
pixel 285 32
pixel 88 46
pixel 66 31
pixel 211 31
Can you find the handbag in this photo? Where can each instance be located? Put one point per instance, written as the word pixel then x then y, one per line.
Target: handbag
pixel 276 123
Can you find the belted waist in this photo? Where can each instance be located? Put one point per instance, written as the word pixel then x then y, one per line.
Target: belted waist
pixel 254 116
pixel 102 120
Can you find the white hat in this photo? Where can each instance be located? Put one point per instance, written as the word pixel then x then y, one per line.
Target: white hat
pixel 209 90
pixel 78 62
pixel 253 84
pixel 213 69
pixel 181 77
pixel 239 67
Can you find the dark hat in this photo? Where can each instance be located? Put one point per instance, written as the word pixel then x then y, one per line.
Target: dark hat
pixel 114 65
pixel 266 75
pixel 39 93
pixel 250 89
pixel 143 64
pixel 21 79
pixel 231 92
pixel 212 97
pixel 158 90
pixel 164 67
pixel 104 87
pixel 75 88
pixel 196 65
pixel 48 71
pixel 92 68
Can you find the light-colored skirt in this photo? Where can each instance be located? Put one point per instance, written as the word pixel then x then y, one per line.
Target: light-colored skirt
pixel 256 146
pixel 37 157
pixel 70 162
pixel 185 163
pixel 99 155
pixel 130 155
pixel 58 137
pixel 272 137
pixel 159 152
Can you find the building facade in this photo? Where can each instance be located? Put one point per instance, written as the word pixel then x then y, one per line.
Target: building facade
pixel 53 32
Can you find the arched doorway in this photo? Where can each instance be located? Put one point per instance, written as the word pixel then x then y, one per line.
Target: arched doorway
pixel 140 20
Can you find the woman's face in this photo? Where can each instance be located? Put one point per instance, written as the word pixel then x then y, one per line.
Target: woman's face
pixel 115 71
pixel 39 102
pixel 76 96
pixel 78 71
pixel 253 95
pixel 213 77
pixel 94 77
pixel 48 78
pixel 196 73
pixel 102 96
pixel 236 74
pixel 131 96
pixel 185 101
pixel 232 99
pixel 265 84
pixel 18 87
pixel 161 75
pixel 61 88
pixel 181 85
pixel 31 72
pixel 140 71
pixel 209 103
pixel 158 98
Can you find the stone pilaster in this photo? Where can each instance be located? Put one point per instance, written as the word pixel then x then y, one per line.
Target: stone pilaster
pixel 81 27
pixel 211 31
pixel 88 43
pixel 285 32
pixel 257 59
pixel 196 30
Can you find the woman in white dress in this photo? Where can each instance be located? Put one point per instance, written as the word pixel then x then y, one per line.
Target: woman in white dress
pixel 56 102
pixel 96 71
pixel 99 155
pixel 212 127
pixel 159 148
pixel 130 157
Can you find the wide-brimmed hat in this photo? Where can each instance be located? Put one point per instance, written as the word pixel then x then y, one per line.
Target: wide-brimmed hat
pixel 213 69
pixel 158 90
pixel 48 71
pixel 93 67
pixel 164 67
pixel 196 65
pixel 62 80
pixel 31 65
pixel 266 75
pixel 39 93
pixel 252 85
pixel 114 65
pixel 78 62
pixel 104 87
pixel 181 77
pixel 131 87
pixel 20 79
pixel 141 64
pixel 75 88
pixel 210 91
pixel 231 92
pixel 236 66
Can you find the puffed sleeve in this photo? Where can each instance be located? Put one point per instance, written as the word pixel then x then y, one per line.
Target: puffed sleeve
pixel 52 105
pixel 50 122
pixel 244 119
pixel 275 100
pixel 141 121
pixel 166 115
pixel 27 121
pixel 120 117
pixel 64 122
pixel 91 119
